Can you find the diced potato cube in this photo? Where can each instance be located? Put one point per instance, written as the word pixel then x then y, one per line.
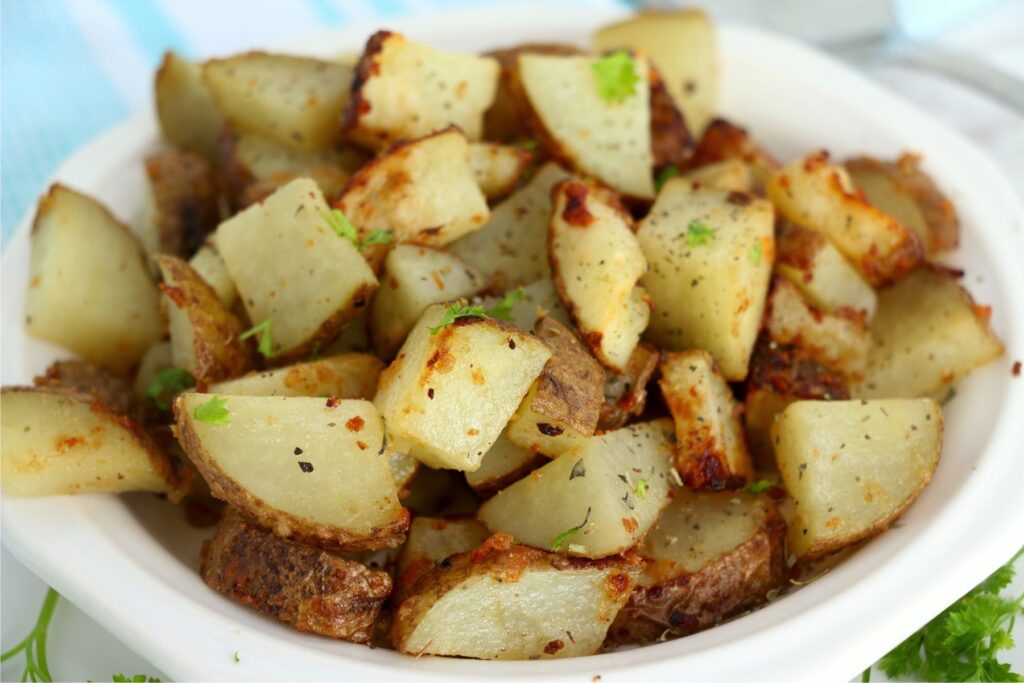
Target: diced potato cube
pixel 292 269
pixel 710 450
pixel 609 140
pixel 407 90
pixel 723 141
pixel 710 254
pixel 453 388
pixel 310 469
pixel 421 191
pixel 837 340
pixel 682 46
pixel 414 278
pixel 597 261
pixel 504 464
pixel 853 466
pixel 625 394
pixel 711 556
pixel 184 106
pixel 815 194
pixel 90 289
pixel 497 168
pixel 347 375
pixel 593 501
pixel 538 297
pixel 806 258
pixel 56 441
pixel 731 175
pixel 296 101
pixel 563 404
pixel 927 334
pixel 512 248
pixel 554 607
pixel 432 540
pixel 210 266
pixel 181 206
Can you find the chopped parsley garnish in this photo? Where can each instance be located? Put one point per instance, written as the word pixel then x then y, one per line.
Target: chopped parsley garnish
pixel 561 538
pixel 266 345
pixel 667 174
pixel 168 383
pixel 755 254
pixel 760 486
pixel 616 76
pixel 343 227
pixel 503 309
pixel 963 642
pixel 698 234
pixel 213 412
pixel 528 145
pixel 576 548
pixel 641 488
pixel 459 309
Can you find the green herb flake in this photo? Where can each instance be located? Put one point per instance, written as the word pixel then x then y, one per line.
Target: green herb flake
pixel 503 309
pixel 576 548
pixel 236 657
pixel 262 333
pixel 561 538
pixel 213 412
pixel 343 227
pixel 616 77
pixel 459 309
pixel 641 488
pixel 528 145
pixel 375 237
pixel 755 254
pixel 760 486
pixel 168 383
pixel 666 174
pixel 698 234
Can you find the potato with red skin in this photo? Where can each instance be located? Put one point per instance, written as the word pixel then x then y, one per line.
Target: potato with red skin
pixel 723 140
pixel 310 589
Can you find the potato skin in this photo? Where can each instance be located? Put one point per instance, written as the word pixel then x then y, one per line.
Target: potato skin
pixel 186 192
pixel 306 587
pixel 115 393
pixel 736 581
pixel 671 142
pixel 572 384
pixel 625 395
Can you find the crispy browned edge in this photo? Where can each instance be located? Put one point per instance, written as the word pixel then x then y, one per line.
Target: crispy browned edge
pixel 907 178
pixel 617 410
pixel 524 158
pixel 723 140
pixel 729 585
pixel 329 329
pixel 489 487
pixel 701 461
pixel 115 392
pixel 796 245
pixel 219 353
pixel 174 472
pixel 500 558
pixel 671 142
pixel 818 550
pixel 366 68
pixel 185 193
pixel 419 565
pixel 372 365
pixel 571 387
pixel 235 176
pixel 306 587
pixel 299 529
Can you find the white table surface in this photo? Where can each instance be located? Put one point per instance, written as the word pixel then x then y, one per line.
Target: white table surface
pixel 80 649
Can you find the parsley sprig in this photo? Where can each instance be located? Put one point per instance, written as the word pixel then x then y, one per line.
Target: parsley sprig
pixel 34 644
pixel 343 227
pixel 616 76
pixel 168 383
pixel 561 538
pixel 461 309
pixel 213 412
pixel 262 334
pixel 698 234
pixel 666 174
pixel 963 642
pixel 760 486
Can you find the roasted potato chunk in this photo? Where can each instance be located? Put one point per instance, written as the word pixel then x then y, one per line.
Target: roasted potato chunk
pixel 415 277
pixel 184 106
pixel 89 288
pixel 512 248
pixel 454 387
pixel 807 259
pixel 597 261
pixel 563 404
pixel 204 335
pixel 346 375
pixel 421 191
pixel 58 441
pixel 293 270
pixel 497 168
pixel 308 588
pixel 504 464
pixel 723 140
pixel 837 340
pixel 295 101
pixel 114 392
pixel 210 266
pixel 625 394
pixel 671 144
pixel 711 557
pixel 731 175
pixel 432 540
pixel 905 192
pixel 681 44
pixel 853 467
pixel 927 334
pixel 538 300
pixel 710 449
pixel 157 358
pixel 309 469
pixel 816 194
pixel 505 601
pixel 181 203
pixel 710 254
pixel 593 501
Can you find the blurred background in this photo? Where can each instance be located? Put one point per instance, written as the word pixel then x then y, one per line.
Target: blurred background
pixel 73 68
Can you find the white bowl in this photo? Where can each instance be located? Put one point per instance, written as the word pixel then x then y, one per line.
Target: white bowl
pixel 131 561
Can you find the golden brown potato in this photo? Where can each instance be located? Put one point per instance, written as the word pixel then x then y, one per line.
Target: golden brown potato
pixel 182 205
pixel 625 394
pixel 563 404
pixel 503 465
pixel 731 175
pixel 712 556
pixel 816 194
pixel 853 467
pixel 184 106
pixel 505 601
pixel 55 441
pixel 671 144
pixel 431 541
pixel 310 469
pixel 905 192
pixel 710 449
pixel 346 375
pixel 116 394
pixel 497 168
pixel 312 590
pixel 723 140
pixel 204 335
